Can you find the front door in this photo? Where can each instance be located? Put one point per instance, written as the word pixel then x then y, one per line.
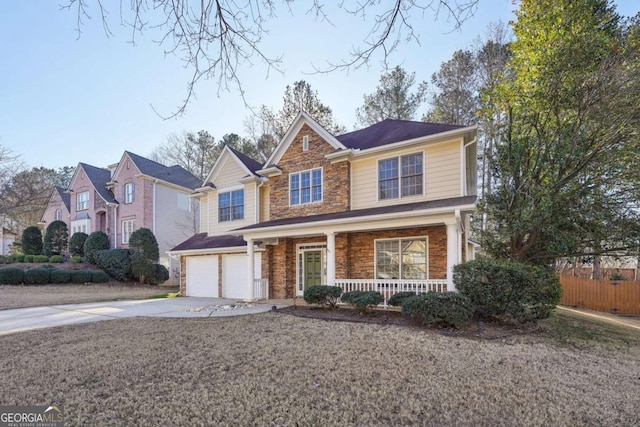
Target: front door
pixel 312 268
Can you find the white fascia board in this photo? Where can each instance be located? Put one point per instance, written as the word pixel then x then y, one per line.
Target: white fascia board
pixel 363 223
pixel 165 183
pixel 272 171
pixel 213 251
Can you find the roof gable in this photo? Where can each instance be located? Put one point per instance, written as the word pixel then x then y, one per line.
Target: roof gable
pixel 98 178
pixel 66 197
pixel 391 131
pixel 176 175
pixel 246 163
pixel 301 119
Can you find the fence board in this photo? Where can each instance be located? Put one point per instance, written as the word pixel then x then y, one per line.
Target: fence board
pixel 622 297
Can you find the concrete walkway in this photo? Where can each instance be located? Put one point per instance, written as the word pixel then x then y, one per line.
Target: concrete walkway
pixel 627 321
pixel 24 319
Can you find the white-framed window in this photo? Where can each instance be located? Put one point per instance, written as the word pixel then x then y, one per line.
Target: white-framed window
pixel 58 215
pixel 184 202
pixel 401 176
pixel 231 206
pixel 82 201
pixel 128 225
pixel 305 143
pixel 305 187
pixel 129 192
pixel 405 258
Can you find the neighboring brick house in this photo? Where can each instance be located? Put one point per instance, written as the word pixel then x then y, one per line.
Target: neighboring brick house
pixel 384 208
pixel 134 193
pixel 58 208
pixel 7 237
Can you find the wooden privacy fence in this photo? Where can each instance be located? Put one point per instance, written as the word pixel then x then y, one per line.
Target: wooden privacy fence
pixel 611 296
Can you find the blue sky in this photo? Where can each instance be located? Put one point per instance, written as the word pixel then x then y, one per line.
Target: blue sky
pixel 65 99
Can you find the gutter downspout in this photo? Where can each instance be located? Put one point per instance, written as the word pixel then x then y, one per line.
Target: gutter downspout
pixel 115 226
pixel 258 201
pixel 153 204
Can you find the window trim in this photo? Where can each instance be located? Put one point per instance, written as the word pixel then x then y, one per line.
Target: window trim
pixel 299 173
pixel 230 192
pixel 58 215
pixel 399 177
pixel 305 143
pixel 399 240
pixel 78 201
pixel 128 201
pixel 133 226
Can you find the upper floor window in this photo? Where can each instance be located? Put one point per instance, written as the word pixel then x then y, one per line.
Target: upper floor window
pixel 231 205
pixel 129 192
pixel 184 203
pixel 305 187
pixel 82 201
pixel 58 215
pixel 305 143
pixel 400 176
pixel 127 228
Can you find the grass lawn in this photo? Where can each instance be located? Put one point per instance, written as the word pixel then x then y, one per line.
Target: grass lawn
pixel 275 369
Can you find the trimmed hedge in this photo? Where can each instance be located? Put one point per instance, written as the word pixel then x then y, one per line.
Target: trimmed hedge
pixel 115 262
pixel 28 258
pixel 60 276
pixel 11 276
pixel 399 298
pixel 151 274
pixel 75 259
pixel 40 258
pixel 362 300
pixel 76 243
pixel 56 259
pixel 439 309
pixel 32 240
pixel 99 276
pixel 97 241
pixel 37 276
pixel 6 259
pixel 502 287
pixel 18 258
pixel 326 296
pixel 80 276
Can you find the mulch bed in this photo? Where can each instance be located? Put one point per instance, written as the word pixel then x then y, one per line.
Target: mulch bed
pixel 491 330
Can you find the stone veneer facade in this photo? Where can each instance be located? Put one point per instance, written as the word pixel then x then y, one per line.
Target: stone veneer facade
pixel 335 178
pixel 355 256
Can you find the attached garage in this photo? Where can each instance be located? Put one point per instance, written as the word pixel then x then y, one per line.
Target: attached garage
pixel 202 276
pixel 234 275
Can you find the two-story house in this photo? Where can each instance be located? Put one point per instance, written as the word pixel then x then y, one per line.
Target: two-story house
pixel 134 193
pixel 384 208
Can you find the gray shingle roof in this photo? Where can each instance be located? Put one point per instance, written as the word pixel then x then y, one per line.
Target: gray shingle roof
pixel 251 164
pixel 174 174
pixel 381 210
pixel 66 197
pixel 99 178
pixel 390 131
pixel 202 241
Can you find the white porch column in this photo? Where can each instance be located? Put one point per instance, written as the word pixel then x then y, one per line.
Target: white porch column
pixel 331 258
pixel 251 268
pixel 453 252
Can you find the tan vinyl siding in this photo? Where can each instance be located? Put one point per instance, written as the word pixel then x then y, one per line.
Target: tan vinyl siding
pixel 230 175
pixel 204 212
pixel 442 165
pixel 215 227
pixel 264 203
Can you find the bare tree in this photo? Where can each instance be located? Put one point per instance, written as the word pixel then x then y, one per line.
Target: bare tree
pixel 196 152
pixel 216 37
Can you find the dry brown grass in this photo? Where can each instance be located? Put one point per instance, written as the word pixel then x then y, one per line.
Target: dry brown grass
pixel 12 296
pixel 274 369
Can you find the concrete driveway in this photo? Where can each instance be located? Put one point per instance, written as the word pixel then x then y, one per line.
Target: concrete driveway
pixel 23 319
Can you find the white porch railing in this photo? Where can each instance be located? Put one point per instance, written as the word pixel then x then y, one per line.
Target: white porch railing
pixel 261 289
pixel 388 287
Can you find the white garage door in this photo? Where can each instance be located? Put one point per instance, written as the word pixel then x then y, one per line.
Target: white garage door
pixel 234 275
pixel 202 276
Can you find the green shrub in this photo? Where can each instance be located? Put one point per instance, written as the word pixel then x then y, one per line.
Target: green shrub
pixel 159 275
pixel 99 276
pixel 115 262
pixel 11 276
pixel 56 238
pixel 56 259
pixel 399 298
pixel 40 258
pixel 76 244
pixel 323 295
pixel 28 258
pixel 32 241
pixel 80 276
pixel 60 276
pixel 362 300
pixel 75 259
pixel 439 308
pixel 18 258
pixel 501 287
pixel 97 241
pixel 37 276
pixel 143 243
pixel 6 259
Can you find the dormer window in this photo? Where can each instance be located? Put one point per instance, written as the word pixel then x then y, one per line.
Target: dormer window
pixel 305 187
pixel 305 143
